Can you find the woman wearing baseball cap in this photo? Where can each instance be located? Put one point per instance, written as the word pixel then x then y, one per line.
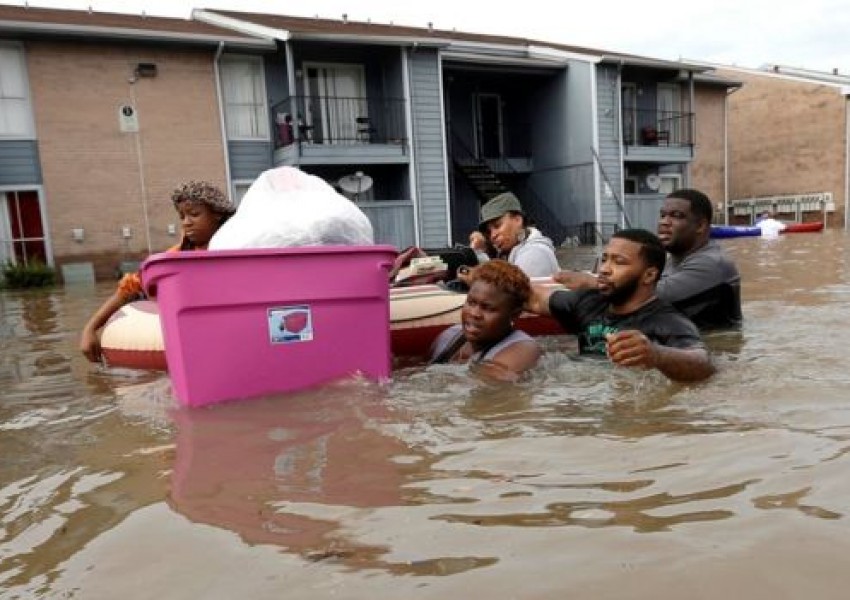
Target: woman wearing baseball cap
pixel 504 224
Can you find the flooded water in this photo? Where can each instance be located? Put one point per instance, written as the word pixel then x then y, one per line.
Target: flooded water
pixel 588 481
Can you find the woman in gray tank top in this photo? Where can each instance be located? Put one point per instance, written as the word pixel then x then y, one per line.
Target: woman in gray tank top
pixel 485 338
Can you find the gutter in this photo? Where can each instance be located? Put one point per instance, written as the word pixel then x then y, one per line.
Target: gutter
pixel 122 33
pixel 220 96
pixel 729 92
pixel 845 91
pixel 244 27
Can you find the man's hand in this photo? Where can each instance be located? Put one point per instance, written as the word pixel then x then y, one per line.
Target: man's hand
pixel 575 280
pixel 632 348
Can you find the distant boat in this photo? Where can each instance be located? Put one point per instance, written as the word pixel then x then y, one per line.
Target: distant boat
pixel 730 231
pixel 803 227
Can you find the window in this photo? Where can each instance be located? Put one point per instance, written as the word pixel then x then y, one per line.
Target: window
pixel 669 114
pixel 22 237
pixel 240 188
pixel 336 103
pixel 243 89
pixel 15 114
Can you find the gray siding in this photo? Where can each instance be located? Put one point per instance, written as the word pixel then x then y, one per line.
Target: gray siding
pixel 427 142
pixel 392 221
pixel 249 159
pixel 607 112
pixel 574 183
pixel 548 196
pixel 19 162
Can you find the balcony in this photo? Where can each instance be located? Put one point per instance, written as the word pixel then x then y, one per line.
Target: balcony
pixel 655 135
pixel 336 130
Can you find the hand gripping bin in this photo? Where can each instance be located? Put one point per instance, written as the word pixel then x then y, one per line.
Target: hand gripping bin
pixel 242 323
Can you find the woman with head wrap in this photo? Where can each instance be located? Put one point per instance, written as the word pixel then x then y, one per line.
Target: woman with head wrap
pixel 202 208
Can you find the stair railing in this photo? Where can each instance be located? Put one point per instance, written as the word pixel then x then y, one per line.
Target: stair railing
pixel 533 205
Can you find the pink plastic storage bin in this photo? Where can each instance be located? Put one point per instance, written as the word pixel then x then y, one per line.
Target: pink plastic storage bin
pixel 242 323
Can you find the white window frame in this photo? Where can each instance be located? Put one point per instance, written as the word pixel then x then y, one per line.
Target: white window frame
pixel 260 104
pixel 5 228
pixel 28 132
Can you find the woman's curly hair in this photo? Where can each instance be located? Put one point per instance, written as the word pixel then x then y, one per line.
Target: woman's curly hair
pixel 506 277
pixel 203 192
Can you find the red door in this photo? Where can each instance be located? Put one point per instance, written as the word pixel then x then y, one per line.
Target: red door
pixel 21 228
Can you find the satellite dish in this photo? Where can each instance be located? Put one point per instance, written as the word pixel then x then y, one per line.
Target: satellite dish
pixel 653 182
pixel 355 184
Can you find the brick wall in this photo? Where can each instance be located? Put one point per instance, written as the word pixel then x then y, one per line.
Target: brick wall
pixel 93 172
pixel 707 168
pixel 786 137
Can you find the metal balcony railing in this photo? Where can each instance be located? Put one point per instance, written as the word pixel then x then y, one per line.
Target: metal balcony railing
pixel 336 120
pixel 657 127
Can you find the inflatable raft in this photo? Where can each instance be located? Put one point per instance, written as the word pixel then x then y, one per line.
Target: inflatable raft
pixel 730 231
pixel 133 338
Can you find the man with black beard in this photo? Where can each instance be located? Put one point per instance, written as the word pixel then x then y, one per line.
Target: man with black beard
pixel 699 278
pixel 622 317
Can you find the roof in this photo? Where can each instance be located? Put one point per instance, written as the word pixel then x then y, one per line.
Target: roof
pixel 21 21
pixel 711 79
pixel 834 79
pixel 309 28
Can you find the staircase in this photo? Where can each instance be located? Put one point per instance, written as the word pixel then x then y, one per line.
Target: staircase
pixel 482 179
pixel 487 185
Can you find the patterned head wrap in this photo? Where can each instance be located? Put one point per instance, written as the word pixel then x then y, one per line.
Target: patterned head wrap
pixel 203 192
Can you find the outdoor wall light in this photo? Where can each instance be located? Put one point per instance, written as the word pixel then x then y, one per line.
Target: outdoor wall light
pixel 78 234
pixel 172 229
pixel 146 70
pixel 126 232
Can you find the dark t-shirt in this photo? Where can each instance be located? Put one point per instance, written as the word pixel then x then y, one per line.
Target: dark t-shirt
pixel 705 286
pixel 586 313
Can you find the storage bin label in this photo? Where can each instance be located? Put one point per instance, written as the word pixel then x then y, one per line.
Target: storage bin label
pixel 290 324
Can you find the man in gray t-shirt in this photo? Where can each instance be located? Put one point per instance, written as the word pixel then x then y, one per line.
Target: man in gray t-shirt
pixel 699 278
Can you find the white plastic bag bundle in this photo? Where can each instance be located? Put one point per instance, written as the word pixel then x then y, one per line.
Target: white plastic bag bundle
pixel 286 207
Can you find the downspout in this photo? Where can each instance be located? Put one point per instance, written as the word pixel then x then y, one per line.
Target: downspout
pixel 290 82
pixel 619 103
pixel 222 124
pixel 726 154
pixel 846 92
pixel 445 148
pixel 692 102
pixel 594 143
pixel 726 158
pixel 413 171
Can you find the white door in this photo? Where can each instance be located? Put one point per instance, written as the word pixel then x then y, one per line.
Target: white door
pixel 488 130
pixel 336 103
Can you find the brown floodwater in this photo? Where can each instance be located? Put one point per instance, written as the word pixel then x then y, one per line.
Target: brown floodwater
pixel 586 481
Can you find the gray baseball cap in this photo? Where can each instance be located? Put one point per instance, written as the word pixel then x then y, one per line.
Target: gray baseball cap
pixel 498 206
